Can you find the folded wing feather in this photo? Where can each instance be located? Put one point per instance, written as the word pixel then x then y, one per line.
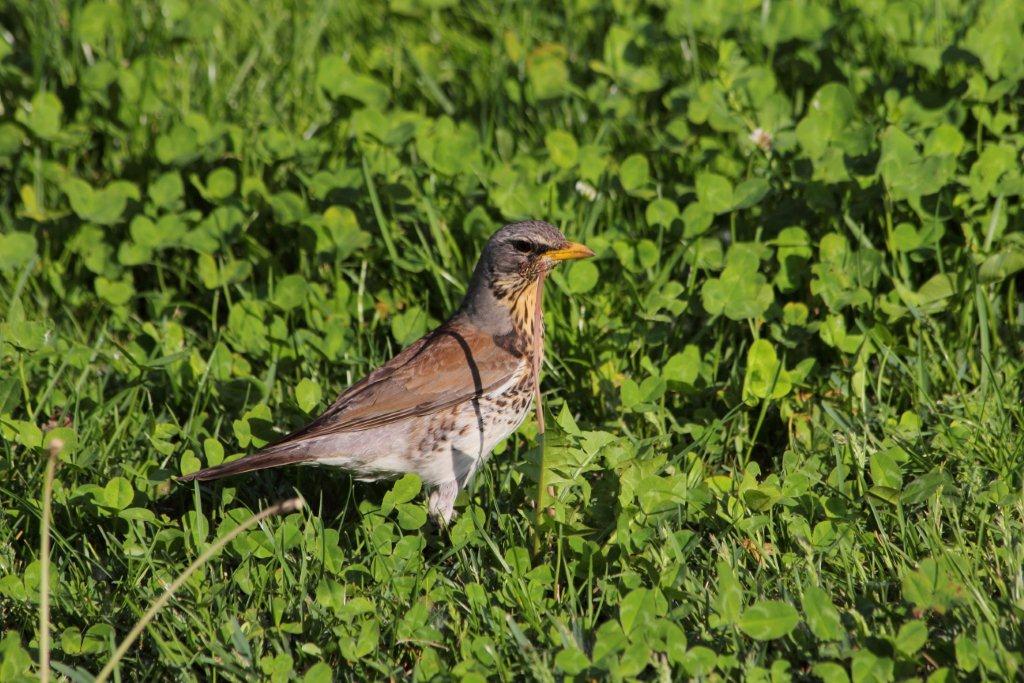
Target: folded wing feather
pixel 451 365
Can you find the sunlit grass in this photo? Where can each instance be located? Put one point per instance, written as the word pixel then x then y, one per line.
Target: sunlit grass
pixel 782 405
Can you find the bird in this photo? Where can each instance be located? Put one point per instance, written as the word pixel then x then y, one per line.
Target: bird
pixel 440 406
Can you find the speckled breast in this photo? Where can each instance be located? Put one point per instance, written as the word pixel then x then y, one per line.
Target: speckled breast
pixel 454 443
pixel 503 412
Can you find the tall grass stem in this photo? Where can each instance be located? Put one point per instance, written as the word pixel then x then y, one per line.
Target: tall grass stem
pixel 44 560
pixel 538 349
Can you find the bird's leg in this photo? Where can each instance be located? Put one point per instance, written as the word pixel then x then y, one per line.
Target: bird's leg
pixel 441 503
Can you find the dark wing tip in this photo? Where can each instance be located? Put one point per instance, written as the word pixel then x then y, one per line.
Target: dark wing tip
pixel 201 475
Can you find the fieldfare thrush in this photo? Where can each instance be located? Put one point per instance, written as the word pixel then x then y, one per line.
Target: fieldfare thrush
pixel 440 406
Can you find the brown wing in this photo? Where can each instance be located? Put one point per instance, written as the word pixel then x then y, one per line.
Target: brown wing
pixel 452 365
pixel 448 366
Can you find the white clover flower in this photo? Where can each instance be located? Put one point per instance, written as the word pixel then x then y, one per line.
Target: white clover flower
pixel 586 190
pixel 762 139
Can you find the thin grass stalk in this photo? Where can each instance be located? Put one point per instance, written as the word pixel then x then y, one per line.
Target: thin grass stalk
pixel 538 350
pixel 44 561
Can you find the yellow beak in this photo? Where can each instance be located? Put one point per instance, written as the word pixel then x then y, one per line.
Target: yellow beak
pixel 571 250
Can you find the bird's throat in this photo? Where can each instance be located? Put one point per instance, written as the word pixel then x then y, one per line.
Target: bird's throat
pixel 522 305
pixel 518 301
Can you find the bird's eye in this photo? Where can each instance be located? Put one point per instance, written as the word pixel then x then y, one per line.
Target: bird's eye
pixel 523 246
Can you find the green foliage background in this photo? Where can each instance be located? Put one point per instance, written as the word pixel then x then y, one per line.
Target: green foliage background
pixel 786 397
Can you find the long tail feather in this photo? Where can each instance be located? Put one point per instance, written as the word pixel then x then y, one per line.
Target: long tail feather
pixel 274 456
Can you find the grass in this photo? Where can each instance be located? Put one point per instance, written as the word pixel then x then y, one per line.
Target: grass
pixel 158 604
pixel 783 404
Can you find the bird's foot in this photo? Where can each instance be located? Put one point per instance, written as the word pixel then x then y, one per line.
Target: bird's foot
pixel 441 503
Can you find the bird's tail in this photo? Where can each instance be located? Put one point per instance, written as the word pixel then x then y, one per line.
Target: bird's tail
pixel 273 456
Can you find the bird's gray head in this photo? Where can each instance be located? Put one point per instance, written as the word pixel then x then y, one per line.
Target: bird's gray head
pixel 511 266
